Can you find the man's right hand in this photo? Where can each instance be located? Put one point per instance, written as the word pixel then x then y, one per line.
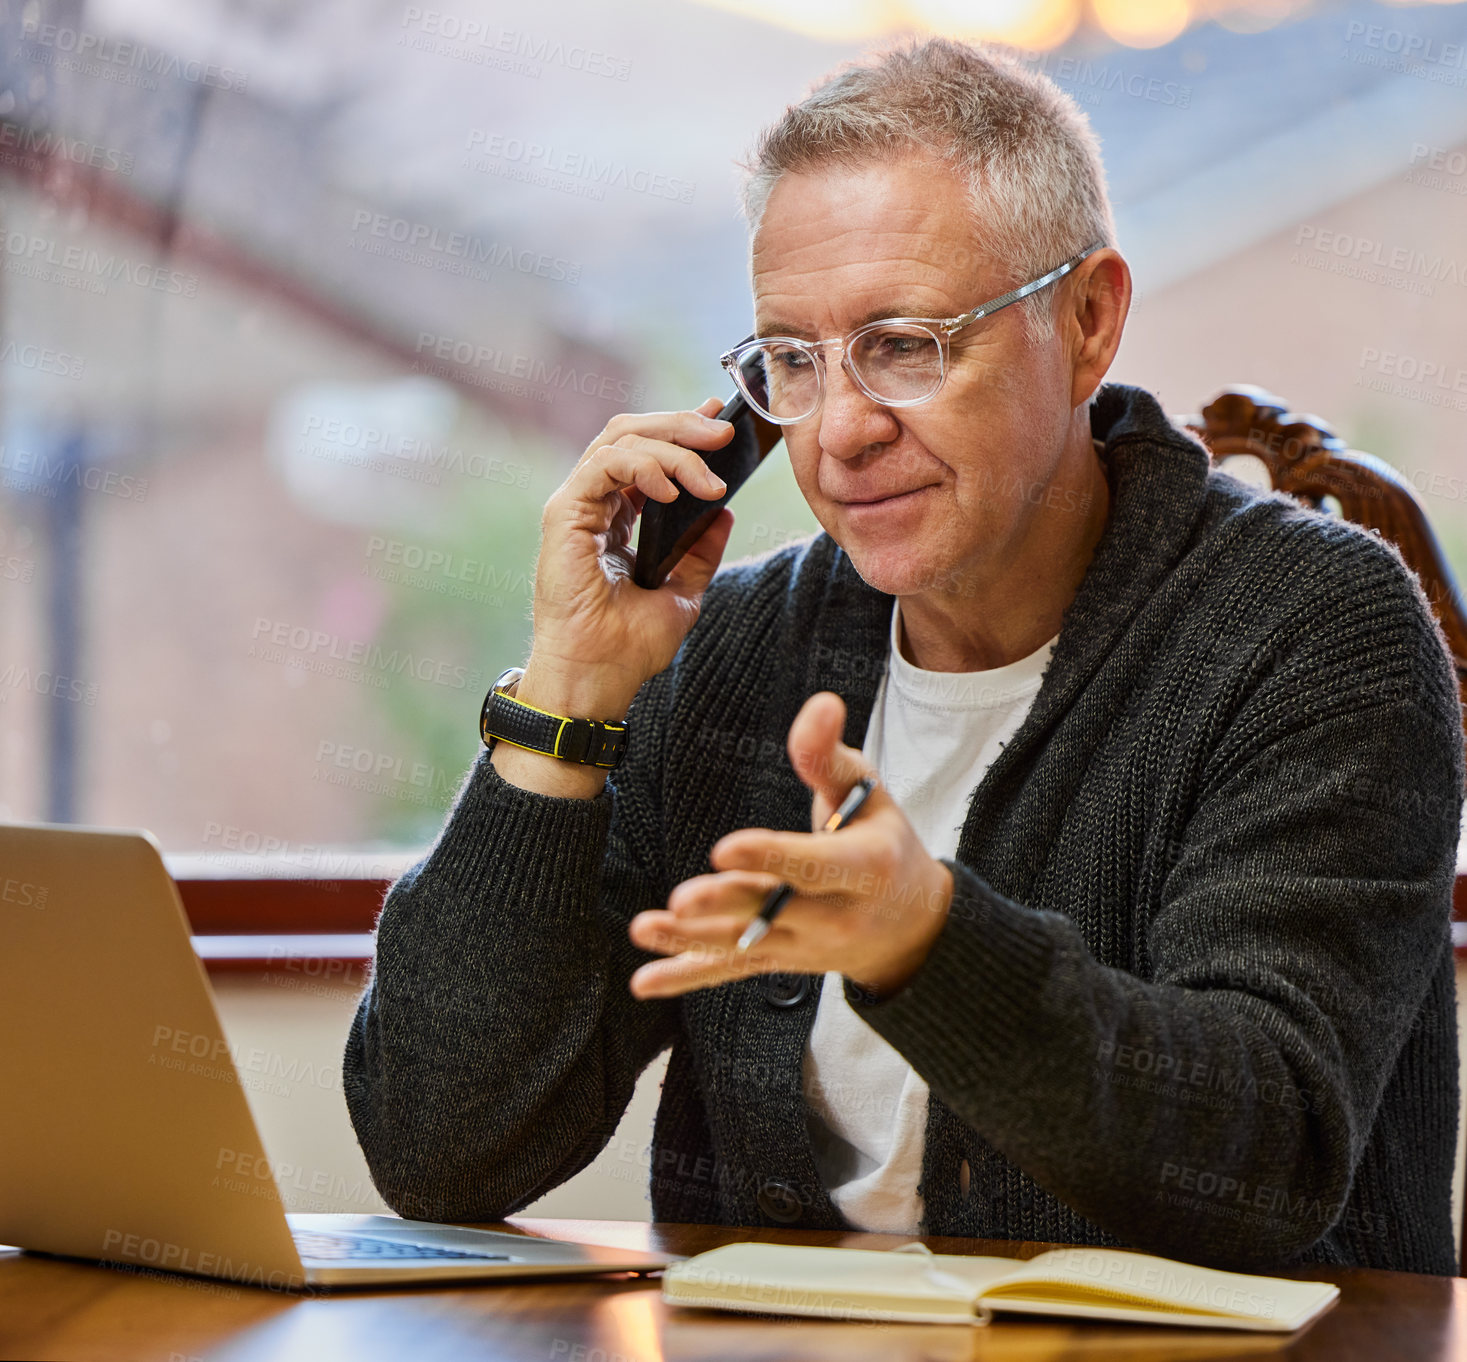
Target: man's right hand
pixel 598 635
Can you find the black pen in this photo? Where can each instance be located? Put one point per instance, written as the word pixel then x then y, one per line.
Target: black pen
pixel 780 894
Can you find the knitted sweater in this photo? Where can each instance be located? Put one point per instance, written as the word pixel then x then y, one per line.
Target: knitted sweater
pixel 1195 992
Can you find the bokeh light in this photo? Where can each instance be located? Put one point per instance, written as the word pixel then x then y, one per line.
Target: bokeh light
pixel 1142 23
pixel 1036 25
pixel 1033 24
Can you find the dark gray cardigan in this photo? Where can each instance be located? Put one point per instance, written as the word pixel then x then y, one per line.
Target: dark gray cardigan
pixel 1195 994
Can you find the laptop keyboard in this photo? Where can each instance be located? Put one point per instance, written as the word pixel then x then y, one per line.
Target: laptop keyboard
pixel 363 1247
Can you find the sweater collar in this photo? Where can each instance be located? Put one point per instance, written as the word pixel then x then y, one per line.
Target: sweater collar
pixel 1158 477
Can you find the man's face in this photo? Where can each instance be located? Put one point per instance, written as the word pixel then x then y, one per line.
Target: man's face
pixel 837 247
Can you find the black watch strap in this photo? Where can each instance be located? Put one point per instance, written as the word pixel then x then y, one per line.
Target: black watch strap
pixel 590 742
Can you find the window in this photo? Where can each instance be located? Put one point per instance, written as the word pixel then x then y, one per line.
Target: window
pixel 306 311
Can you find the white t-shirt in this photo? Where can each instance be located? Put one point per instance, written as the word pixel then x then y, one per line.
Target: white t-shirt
pixel 931 737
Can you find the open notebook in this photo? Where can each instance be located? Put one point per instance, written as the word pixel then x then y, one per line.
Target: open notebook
pixel 912 1284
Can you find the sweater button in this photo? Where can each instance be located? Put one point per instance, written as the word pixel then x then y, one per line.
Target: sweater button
pixel 786 990
pixel 779 1201
pixel 965 1177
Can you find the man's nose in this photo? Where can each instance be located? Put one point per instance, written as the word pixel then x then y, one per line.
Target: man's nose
pixel 849 420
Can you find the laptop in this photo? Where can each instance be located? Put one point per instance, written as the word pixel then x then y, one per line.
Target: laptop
pixel 126 1136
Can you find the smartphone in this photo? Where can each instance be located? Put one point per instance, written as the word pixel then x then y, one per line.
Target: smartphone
pixel 670 528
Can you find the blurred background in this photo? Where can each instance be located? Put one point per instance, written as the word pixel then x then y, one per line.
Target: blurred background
pixel 305 310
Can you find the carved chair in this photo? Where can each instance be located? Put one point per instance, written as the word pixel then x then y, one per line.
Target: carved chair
pixel 1306 459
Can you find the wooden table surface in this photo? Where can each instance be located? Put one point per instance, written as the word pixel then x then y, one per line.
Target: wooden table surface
pixel 51 1309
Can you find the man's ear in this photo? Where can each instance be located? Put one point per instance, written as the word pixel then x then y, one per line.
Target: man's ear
pixel 1100 300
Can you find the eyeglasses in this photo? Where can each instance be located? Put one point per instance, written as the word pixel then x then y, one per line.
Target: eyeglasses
pixel 898 362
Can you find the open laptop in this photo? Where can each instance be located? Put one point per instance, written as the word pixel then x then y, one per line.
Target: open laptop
pixel 126 1136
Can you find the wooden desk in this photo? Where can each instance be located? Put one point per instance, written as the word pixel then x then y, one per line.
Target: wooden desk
pixel 54 1310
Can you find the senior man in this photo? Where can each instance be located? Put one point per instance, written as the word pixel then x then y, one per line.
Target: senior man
pixel 1141 938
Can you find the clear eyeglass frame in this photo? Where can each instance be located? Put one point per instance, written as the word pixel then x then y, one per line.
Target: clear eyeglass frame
pixel 941 329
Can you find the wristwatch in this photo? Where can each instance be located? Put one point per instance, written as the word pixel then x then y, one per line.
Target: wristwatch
pixel 591 742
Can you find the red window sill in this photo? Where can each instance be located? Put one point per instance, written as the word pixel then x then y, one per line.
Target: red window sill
pixel 310 917
pixel 253 914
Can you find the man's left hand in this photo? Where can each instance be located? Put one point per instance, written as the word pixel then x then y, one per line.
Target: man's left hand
pixel 869 900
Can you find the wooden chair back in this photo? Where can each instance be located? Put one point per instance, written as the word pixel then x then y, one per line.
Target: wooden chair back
pixel 1306 459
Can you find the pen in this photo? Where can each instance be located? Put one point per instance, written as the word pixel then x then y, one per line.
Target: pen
pixel 780 894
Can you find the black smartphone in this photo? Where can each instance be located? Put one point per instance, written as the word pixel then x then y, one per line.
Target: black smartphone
pixel 670 528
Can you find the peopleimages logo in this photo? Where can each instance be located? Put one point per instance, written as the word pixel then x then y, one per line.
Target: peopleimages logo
pixel 213 1057
pixel 430 562
pixel 24 894
pixel 1409 54
pixel 1095 78
pixel 413 457
pixel 34 250
pixel 42 359
pixel 56 685
pixel 1444 269
pixel 33 147
pixel 1419 47
pixel 32 470
pixel 352 659
pixel 532 374
pixel 453 252
pixel 382 773
pixel 1253 1201
pixel 600 173
pixel 141 1248
pixel 98 54
pixel 505 48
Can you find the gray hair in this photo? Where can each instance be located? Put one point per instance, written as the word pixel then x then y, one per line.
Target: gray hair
pixel 1025 150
